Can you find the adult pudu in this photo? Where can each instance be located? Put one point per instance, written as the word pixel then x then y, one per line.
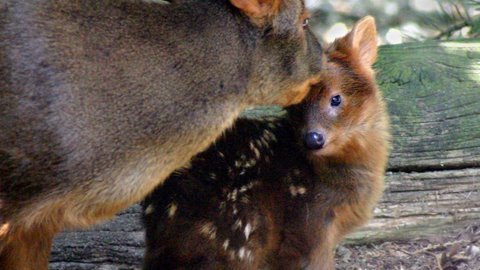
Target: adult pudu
pixel 101 100
pixel 281 193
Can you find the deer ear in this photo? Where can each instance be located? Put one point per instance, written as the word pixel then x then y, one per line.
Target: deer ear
pixel 257 9
pixel 363 40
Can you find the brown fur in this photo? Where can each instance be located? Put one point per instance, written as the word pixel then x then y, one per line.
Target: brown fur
pixel 266 200
pixel 101 100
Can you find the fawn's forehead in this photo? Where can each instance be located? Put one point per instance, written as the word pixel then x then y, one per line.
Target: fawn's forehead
pixel 332 77
pixel 344 76
pixel 339 78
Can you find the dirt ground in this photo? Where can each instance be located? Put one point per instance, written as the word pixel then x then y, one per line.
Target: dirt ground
pixel 458 251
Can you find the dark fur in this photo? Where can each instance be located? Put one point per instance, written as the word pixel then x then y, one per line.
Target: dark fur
pixel 101 100
pixel 257 199
pixel 244 177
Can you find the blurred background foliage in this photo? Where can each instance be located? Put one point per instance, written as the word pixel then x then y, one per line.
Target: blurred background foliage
pixel 398 21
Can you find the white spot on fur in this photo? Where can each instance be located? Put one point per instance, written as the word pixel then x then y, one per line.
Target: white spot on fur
pixel 300 190
pixel 293 191
pixel 269 135
pixel 226 243
pixel 257 153
pixel 172 210
pixel 233 195
pixel 244 163
pixel 241 253
pixel 255 150
pixel 250 163
pixel 149 209
pixel 237 224
pixel 253 184
pixel 249 186
pixel 248 230
pixel 222 205
pixel 213 176
pixel 264 141
pixel 208 229
pixel 241 161
pixel 248 254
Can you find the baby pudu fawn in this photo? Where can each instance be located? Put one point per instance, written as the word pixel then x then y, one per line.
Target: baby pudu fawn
pixel 281 193
pixel 100 100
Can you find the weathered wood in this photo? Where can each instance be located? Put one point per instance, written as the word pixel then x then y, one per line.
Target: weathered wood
pixel 433 93
pixel 117 244
pixel 424 204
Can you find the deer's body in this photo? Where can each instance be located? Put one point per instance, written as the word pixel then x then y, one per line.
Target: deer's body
pixel 101 100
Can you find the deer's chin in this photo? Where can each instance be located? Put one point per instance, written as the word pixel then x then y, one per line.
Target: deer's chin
pixel 322 152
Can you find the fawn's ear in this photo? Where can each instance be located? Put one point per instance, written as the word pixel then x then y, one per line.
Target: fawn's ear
pixel 363 40
pixel 360 43
pixel 257 9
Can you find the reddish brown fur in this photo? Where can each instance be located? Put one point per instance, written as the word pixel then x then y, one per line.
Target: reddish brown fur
pixel 26 248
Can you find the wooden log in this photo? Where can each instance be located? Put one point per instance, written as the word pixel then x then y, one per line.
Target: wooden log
pixel 433 94
pixel 424 204
pixel 433 183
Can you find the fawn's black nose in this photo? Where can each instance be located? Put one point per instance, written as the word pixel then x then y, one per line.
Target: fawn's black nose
pixel 313 140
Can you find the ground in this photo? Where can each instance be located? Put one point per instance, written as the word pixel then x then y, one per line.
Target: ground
pixel 458 251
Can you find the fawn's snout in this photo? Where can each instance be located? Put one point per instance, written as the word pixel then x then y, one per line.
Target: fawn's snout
pixel 314 140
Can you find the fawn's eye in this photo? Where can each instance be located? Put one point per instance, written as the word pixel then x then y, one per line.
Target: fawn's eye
pixel 336 101
pixel 305 23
